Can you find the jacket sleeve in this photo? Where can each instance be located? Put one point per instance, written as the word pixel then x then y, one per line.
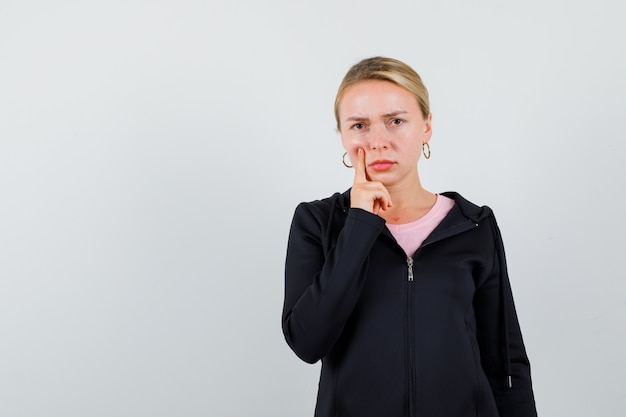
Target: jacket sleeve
pixel 323 280
pixel 503 354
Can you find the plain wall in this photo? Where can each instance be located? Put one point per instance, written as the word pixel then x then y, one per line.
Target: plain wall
pixel 152 154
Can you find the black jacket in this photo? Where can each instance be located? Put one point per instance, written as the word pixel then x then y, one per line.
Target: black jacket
pixel 432 335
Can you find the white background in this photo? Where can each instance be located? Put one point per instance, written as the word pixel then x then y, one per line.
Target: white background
pixel 152 154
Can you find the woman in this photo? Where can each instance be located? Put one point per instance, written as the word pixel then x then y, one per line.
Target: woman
pixel 401 293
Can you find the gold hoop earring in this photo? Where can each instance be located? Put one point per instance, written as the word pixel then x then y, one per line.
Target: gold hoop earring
pixel 343 159
pixel 426 150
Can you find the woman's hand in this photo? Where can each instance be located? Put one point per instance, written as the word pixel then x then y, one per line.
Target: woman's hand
pixel 368 195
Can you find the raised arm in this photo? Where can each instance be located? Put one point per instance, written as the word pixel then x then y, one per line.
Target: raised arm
pixel 323 281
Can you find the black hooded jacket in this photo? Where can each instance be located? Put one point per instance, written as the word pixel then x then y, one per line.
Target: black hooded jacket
pixel 433 335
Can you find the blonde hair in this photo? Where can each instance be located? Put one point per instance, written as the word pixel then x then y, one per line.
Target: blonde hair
pixel 386 69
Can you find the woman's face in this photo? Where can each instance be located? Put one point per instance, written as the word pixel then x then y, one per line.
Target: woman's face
pixel 386 121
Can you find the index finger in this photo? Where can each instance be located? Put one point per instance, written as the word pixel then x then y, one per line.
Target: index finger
pixel 359 167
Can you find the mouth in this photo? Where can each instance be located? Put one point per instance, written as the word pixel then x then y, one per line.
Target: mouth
pixel 381 164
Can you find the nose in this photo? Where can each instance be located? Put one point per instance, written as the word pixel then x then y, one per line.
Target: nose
pixel 379 138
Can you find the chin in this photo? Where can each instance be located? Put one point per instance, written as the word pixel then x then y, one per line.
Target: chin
pixel 385 178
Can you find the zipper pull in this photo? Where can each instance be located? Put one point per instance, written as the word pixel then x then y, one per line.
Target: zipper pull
pixel 409 262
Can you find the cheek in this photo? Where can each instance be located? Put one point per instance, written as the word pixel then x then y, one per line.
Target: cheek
pixel 352 143
pixel 352 150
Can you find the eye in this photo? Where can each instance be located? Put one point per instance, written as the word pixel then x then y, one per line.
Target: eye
pixel 358 126
pixel 397 122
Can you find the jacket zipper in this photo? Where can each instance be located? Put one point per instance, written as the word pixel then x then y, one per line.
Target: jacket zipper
pixel 410 331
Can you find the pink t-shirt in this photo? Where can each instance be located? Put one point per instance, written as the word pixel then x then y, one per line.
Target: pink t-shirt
pixel 410 236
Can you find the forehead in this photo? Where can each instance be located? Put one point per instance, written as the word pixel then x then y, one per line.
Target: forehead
pixel 376 96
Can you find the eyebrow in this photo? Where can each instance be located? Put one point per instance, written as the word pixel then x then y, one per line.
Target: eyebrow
pixel 391 114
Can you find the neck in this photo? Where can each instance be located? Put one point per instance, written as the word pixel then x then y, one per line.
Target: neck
pixel 410 202
pixel 410 194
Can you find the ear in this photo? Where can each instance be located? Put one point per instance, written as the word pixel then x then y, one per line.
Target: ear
pixel 428 128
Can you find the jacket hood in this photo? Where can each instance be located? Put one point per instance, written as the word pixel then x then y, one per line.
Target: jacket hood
pixel 470 210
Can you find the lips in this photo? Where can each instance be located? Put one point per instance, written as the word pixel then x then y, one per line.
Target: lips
pixel 381 164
